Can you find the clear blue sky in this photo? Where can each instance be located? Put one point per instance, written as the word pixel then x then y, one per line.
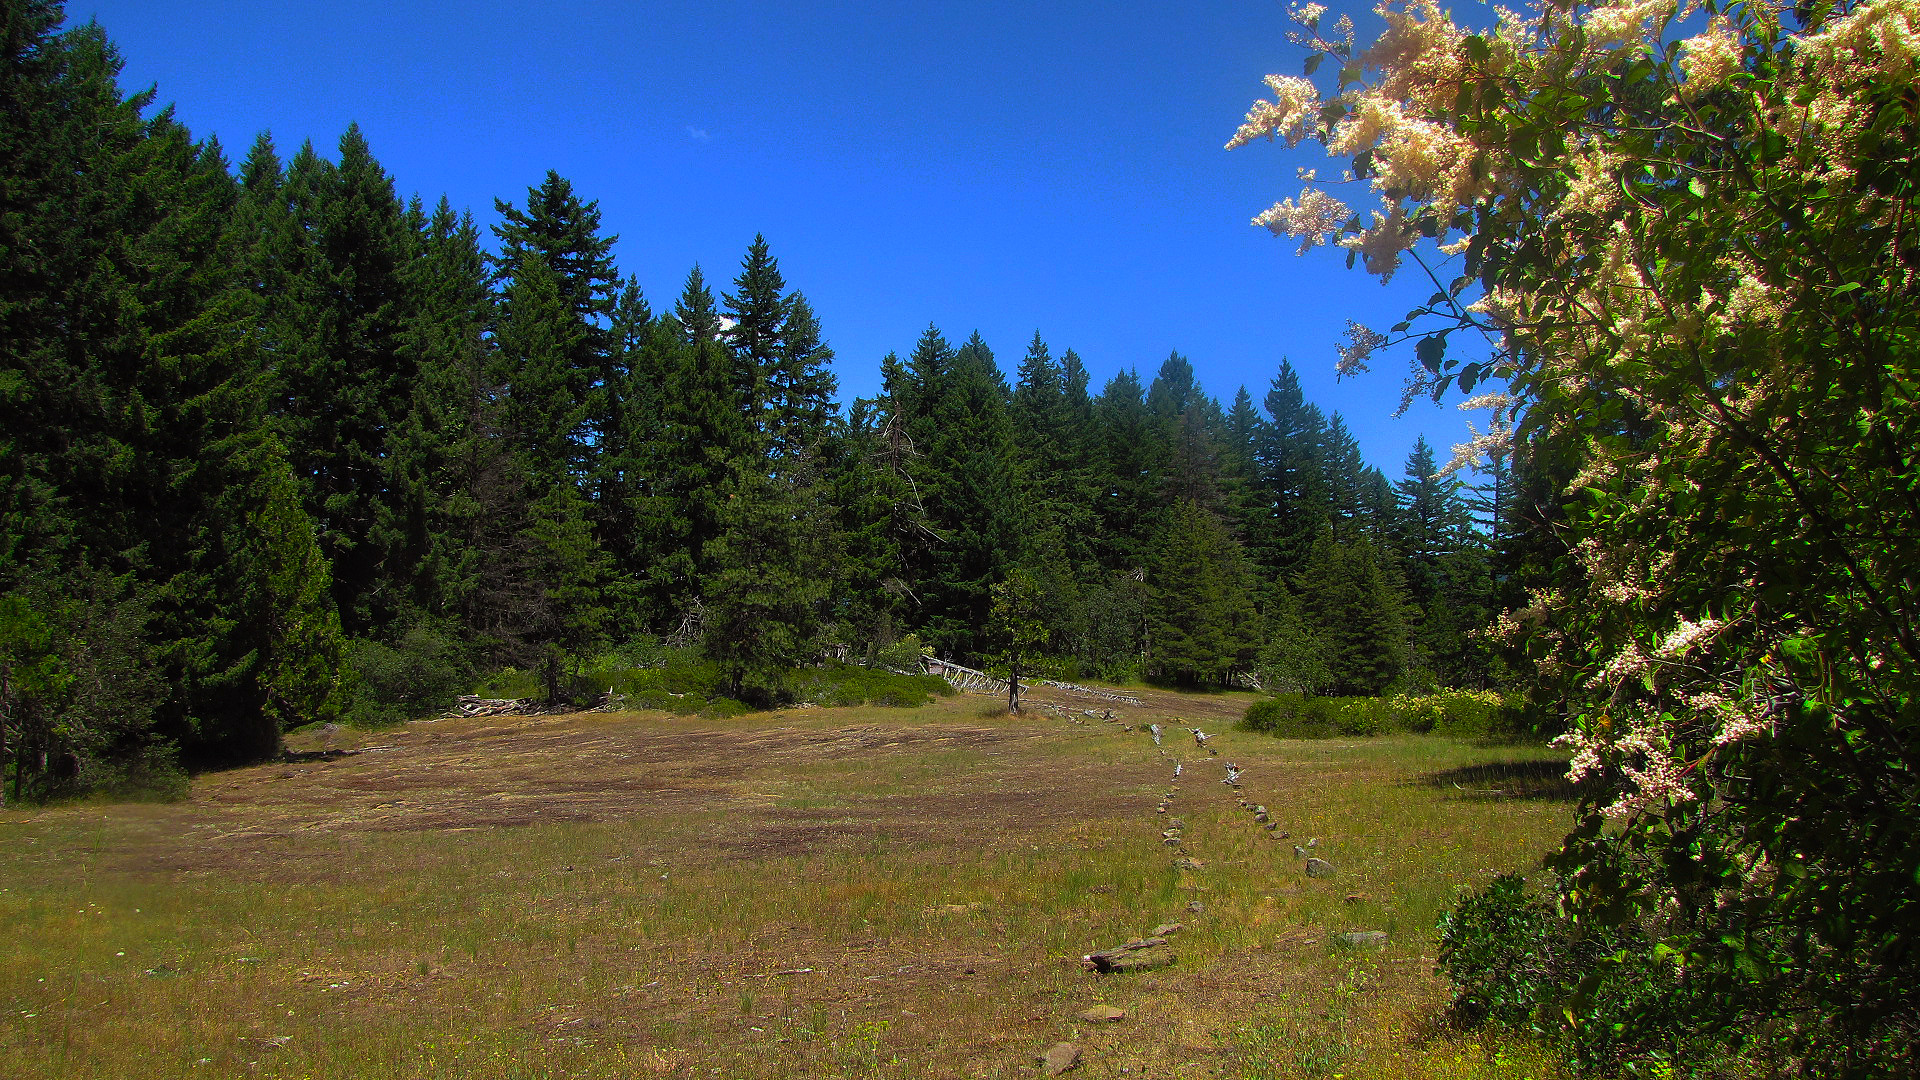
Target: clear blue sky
pixel 983 165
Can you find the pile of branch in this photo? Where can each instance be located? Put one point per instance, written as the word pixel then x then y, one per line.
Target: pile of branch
pixel 474 705
pixel 469 705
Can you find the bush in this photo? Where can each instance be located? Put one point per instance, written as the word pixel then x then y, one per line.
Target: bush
pixel 149 772
pixel 511 682
pixel 1460 713
pixel 904 654
pixel 1614 999
pixel 838 684
pixel 418 675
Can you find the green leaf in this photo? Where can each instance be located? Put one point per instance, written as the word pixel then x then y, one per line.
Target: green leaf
pixel 1313 63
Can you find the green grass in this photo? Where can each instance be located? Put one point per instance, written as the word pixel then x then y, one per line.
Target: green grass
pixel 939 871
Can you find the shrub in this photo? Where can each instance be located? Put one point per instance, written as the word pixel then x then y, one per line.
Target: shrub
pixel 1614 999
pixel 904 654
pixel 150 772
pixel 1460 713
pixel 838 684
pixel 510 682
pixel 418 675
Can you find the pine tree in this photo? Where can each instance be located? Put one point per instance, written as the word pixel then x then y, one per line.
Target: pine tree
pixel 1291 499
pixel 562 233
pixel 537 346
pixel 885 530
pixel 1129 507
pixel 626 437
pixel 758 310
pixel 703 434
pixel 434 444
pixel 1019 630
pixel 129 360
pixel 764 589
pixel 1353 594
pixel 1432 522
pixel 575 589
pixel 802 384
pixel 1203 623
pixel 970 492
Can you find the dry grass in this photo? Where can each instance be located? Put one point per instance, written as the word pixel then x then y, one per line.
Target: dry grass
pixel 844 892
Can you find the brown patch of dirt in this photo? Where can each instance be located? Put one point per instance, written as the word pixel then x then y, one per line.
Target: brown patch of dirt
pixel 508 772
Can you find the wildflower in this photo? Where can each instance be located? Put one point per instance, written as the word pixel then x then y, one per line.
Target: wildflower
pixel 1313 218
pixel 1289 115
pixel 1361 343
pixel 1710 59
pixel 1684 636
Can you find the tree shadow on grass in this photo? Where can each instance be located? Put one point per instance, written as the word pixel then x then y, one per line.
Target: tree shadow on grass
pixel 1544 780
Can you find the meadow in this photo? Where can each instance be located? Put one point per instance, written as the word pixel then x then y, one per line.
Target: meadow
pixel 814 892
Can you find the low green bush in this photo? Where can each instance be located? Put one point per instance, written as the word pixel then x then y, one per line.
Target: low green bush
pixel 415 676
pixel 1460 713
pixel 840 684
pixel 510 682
pixel 681 681
pixel 1614 999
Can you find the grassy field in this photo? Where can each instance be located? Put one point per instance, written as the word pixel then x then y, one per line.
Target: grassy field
pixel 809 893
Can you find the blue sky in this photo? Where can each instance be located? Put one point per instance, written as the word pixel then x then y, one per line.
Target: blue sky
pixel 1004 167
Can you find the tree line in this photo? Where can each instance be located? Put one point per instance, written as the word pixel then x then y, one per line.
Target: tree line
pixel 267 424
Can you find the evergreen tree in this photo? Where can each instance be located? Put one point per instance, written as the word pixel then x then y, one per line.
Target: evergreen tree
pixel 626 436
pixel 562 233
pixel 758 311
pixel 1129 506
pixel 1291 500
pixel 966 444
pixel 1203 623
pixel 703 434
pixel 544 410
pixel 433 446
pixel 1353 594
pixel 765 588
pixel 575 591
pixel 128 362
pixel 1019 626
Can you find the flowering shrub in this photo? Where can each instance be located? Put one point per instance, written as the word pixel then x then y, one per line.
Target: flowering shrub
pixel 1683 237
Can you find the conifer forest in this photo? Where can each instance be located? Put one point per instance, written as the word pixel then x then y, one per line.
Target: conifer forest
pixel 281 447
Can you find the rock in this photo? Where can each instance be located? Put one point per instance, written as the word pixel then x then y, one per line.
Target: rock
pixel 1166 928
pixel 1365 939
pixel 1138 955
pixel 1196 907
pixel 1195 864
pixel 1319 868
pixel 1355 898
pixel 1150 960
pixel 1062 1057
pixel 1103 1014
